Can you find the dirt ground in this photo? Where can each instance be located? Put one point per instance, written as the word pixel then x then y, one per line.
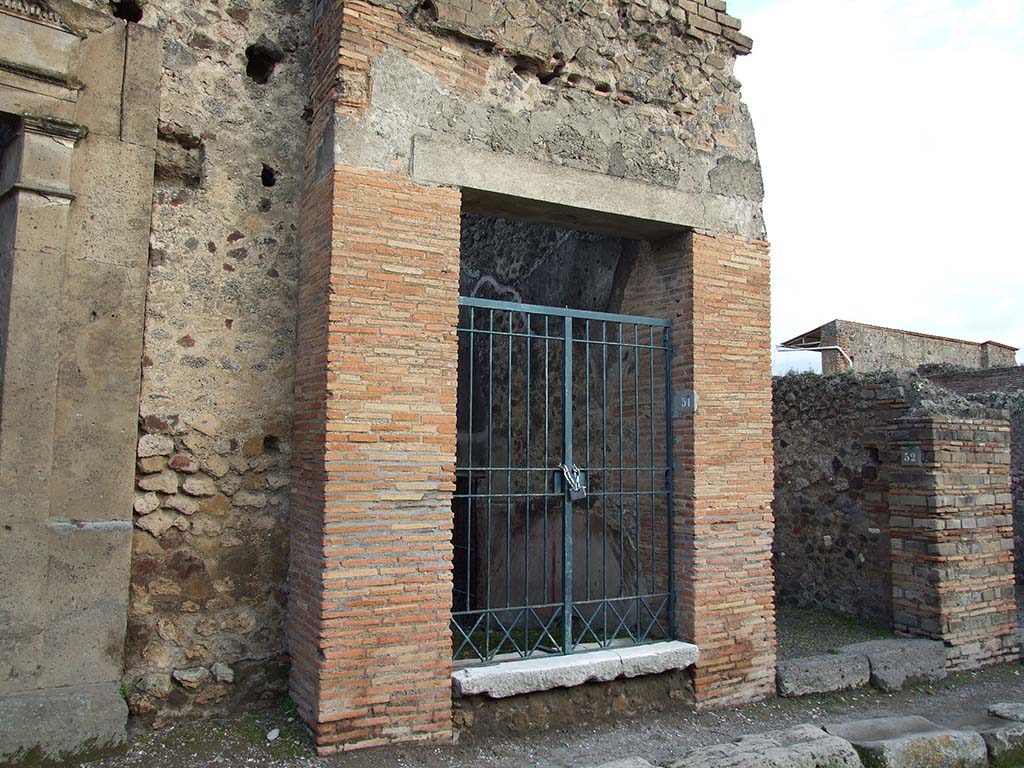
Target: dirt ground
pixel 241 740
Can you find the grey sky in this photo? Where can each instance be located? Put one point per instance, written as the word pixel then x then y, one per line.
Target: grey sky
pixel 891 134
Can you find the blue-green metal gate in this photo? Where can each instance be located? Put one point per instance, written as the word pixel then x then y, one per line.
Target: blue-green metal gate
pixel 563 504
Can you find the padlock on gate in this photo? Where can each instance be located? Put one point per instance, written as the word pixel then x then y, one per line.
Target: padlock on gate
pixel 575 482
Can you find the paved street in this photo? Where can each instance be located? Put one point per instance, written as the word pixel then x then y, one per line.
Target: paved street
pixel 241 741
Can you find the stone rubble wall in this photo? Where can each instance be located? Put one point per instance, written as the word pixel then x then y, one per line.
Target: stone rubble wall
pixel 873 348
pixel 831 547
pixel 206 627
pixel 862 527
pixel 967 382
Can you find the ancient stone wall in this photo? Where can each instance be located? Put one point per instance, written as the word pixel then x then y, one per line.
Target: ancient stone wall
pixel 967 382
pixel 206 622
pixel 79 110
pixel 947 494
pixel 873 348
pixel 1001 388
pixel 893 503
pixel 831 547
pixel 620 118
pixel 630 90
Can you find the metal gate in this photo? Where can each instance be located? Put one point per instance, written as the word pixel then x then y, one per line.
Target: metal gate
pixel 563 502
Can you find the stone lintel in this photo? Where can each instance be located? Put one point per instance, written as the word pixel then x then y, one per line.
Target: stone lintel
pixel 495 183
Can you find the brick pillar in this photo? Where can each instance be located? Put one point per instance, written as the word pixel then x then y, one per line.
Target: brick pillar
pixel 716 291
pixel 370 569
pixel 951 531
pixel 832 360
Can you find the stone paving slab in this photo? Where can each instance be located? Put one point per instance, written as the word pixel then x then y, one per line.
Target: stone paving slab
pixel 1008 711
pixel 897 663
pixel 1003 738
pixel 912 742
pixel 822 674
pixel 512 678
pixel 804 746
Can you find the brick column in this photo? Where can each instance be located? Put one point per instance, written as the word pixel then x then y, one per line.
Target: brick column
pixel 952 536
pixel 370 570
pixel 716 291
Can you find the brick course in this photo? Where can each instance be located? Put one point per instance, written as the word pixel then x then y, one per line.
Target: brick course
pixel 375 452
pixel 990 380
pixel 952 537
pixel 716 290
pixel 370 571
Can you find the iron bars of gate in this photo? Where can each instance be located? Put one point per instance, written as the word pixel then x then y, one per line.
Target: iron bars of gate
pixel 563 503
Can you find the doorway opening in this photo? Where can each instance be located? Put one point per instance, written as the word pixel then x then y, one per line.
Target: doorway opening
pixel 562 509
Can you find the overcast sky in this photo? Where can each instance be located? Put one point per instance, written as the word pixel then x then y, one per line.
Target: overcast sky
pixel 891 135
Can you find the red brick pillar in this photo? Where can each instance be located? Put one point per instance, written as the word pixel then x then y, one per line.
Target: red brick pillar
pixel 948 492
pixel 370 568
pixel 716 291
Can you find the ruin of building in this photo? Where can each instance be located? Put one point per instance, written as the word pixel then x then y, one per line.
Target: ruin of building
pixel 349 342
pixel 846 346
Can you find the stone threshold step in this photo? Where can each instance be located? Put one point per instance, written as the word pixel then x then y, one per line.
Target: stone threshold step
pixel 513 678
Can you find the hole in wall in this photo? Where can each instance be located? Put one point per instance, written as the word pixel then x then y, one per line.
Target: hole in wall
pixel 129 10
pixel 545 73
pixel 425 13
pixel 524 69
pixel 547 77
pixel 271 443
pixel 268 176
pixel 179 158
pixel 261 58
pixel 603 88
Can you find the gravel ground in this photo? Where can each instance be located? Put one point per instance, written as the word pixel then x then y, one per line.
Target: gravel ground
pixel 240 741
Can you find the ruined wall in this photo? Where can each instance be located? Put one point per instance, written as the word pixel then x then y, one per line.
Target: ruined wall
pixel 1001 388
pixel 210 549
pixel 831 548
pixel 975 382
pixel 640 91
pixel 873 348
pixel 842 491
pixel 952 531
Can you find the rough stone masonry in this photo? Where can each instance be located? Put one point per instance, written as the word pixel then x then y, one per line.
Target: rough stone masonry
pixel 294 182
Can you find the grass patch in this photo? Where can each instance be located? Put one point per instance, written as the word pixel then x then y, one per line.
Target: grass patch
pixel 806 632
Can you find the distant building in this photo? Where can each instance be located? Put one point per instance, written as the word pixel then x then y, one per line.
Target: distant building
pixel 845 345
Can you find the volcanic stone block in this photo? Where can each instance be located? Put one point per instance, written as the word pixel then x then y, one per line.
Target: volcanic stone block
pixel 896 663
pixel 822 674
pixel 1003 738
pixel 802 747
pixel 912 742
